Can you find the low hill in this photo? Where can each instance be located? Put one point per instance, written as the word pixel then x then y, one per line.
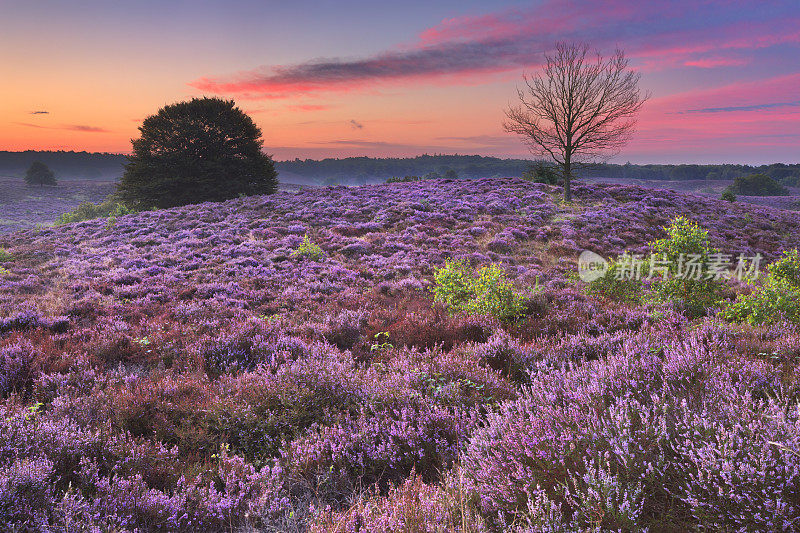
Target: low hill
pixel 209 367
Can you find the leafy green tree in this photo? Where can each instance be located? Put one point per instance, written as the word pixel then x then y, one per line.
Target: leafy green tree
pixel 728 195
pixel 39 174
pixel 206 149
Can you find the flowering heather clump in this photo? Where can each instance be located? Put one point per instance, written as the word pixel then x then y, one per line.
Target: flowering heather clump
pixel 188 370
pixel 648 436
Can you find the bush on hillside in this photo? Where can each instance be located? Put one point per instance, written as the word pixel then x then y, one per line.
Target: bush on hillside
pixel 309 249
pixel 541 172
pixel 690 292
pixel 485 292
pixel 728 195
pixel 88 211
pixel 757 185
pixel 778 298
pixel 615 287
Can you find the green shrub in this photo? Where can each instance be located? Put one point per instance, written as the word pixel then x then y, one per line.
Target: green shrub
pixel 778 298
pixel 787 268
pixel 614 287
pixel 775 300
pixel 5 256
pixel 309 249
pixel 693 295
pixel 89 211
pixel 758 185
pixel 485 292
pixel 398 179
pixel 541 172
pixel 728 195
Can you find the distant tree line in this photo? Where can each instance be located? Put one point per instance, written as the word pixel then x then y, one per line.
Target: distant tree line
pixel 780 172
pixel 66 165
pixel 363 169
pixel 355 170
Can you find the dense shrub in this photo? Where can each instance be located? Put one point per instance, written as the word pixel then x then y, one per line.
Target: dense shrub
pixel 40 174
pixel 5 256
pixel 776 299
pixel 88 211
pixel 309 250
pixel 728 195
pixel 485 292
pixel 757 185
pixel 614 286
pixel 787 268
pixel 691 292
pixel 542 172
pixel 206 149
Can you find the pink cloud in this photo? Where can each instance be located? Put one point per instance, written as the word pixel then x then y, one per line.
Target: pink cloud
pixel 762 116
pixel 461 50
pixel 67 127
pixel 309 107
pixel 714 62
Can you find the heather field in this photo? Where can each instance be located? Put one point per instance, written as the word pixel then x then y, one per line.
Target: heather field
pixel 23 207
pixel 279 363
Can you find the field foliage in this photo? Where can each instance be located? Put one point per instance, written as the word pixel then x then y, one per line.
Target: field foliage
pixel 417 356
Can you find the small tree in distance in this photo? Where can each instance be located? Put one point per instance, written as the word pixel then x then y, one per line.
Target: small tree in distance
pixel 39 174
pixel 206 149
pixel 577 109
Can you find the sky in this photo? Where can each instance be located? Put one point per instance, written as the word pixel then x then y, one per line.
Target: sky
pixel 394 79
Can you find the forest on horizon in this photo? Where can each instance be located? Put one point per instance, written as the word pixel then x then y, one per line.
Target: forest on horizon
pixel 360 170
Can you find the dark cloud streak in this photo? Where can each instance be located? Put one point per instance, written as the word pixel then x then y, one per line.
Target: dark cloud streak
pixel 67 127
pixel 729 109
pixel 506 41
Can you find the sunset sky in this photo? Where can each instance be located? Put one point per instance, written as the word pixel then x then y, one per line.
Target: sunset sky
pixel 340 78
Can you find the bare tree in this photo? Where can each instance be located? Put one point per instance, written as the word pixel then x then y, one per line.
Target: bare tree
pixel 578 108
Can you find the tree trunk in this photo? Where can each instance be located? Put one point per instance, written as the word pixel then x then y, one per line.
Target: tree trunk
pixel 567 179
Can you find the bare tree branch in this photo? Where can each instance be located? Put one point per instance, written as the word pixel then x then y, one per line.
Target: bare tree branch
pixel 577 109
